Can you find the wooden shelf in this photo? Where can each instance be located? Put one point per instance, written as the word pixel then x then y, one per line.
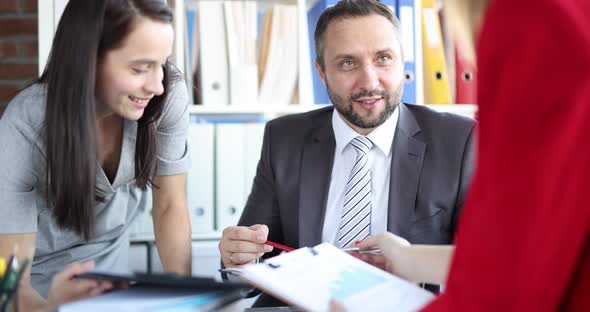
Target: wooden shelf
pixel 148 237
pixel 228 110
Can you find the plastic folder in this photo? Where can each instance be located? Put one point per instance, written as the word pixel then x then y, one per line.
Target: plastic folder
pixel 436 77
pixel 213 59
pixel 466 82
pixel 407 16
pixel 320 93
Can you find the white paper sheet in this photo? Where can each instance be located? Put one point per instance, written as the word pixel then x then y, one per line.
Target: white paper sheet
pixel 309 278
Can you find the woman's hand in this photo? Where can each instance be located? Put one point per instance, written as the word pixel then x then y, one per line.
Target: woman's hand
pixel 416 263
pixel 391 250
pixel 337 306
pixel 66 288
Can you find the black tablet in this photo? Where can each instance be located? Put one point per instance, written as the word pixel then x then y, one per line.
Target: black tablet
pixel 166 280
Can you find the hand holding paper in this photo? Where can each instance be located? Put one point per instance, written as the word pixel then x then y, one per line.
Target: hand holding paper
pixel 418 263
pixel 390 246
pixel 309 278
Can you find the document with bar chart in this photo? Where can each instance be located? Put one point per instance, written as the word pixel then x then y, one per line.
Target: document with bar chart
pixel 309 278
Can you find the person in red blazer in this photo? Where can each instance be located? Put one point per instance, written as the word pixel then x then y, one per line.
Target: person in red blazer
pixel 523 241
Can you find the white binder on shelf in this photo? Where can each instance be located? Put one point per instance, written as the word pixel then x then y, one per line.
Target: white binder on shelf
pixel 240 22
pixel 281 67
pixel 49 15
pixel 253 135
pixel 200 178
pixel 213 57
pixel 230 193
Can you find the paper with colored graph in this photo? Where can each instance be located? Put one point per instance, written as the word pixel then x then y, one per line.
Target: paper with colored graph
pixel 309 278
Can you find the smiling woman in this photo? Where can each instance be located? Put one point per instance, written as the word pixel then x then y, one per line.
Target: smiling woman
pixel 130 76
pixel 105 121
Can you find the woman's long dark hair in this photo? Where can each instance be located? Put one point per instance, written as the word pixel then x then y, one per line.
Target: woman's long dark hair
pixel 87 30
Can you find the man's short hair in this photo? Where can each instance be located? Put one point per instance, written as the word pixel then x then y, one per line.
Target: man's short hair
pixel 347 9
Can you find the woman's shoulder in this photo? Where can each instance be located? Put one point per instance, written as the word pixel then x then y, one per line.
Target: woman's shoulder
pixel 177 102
pixel 179 90
pixel 27 107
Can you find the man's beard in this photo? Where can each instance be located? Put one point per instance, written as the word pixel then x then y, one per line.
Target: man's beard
pixel 345 106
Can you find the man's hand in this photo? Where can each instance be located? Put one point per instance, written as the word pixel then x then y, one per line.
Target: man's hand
pixel 241 245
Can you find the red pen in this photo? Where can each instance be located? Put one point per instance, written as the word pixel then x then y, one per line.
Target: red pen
pixel 279 246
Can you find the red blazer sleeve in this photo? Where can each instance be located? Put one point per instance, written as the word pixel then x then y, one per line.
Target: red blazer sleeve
pixel 524 234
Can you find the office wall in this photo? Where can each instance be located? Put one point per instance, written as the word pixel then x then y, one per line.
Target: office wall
pixel 18 46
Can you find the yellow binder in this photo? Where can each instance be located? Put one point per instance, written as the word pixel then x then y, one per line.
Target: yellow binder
pixel 436 77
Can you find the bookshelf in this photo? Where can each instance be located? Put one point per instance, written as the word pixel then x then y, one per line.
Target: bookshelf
pixel 49 13
pixel 305 96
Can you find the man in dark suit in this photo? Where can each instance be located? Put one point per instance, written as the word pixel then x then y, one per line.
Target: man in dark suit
pixel 367 165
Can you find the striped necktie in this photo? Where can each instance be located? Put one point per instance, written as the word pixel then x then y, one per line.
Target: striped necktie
pixel 356 215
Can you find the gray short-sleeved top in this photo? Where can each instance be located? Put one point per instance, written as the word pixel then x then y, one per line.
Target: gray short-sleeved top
pixel 24 207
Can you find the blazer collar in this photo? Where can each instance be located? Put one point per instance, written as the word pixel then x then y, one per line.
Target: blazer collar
pixel 316 172
pixel 406 167
pixel 407 122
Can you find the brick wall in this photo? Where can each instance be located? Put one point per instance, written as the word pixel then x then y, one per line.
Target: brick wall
pixel 18 46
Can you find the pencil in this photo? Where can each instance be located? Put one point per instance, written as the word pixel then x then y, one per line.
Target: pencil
pixel 279 246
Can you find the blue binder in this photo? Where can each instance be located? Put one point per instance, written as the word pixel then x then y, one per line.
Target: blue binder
pixel 392 4
pixel 190 27
pixel 320 93
pixel 407 15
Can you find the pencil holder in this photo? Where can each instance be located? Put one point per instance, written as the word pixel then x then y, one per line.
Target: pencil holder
pixel 8 301
pixel 9 281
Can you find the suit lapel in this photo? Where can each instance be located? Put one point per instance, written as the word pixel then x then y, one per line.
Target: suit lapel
pixel 316 173
pixel 406 166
